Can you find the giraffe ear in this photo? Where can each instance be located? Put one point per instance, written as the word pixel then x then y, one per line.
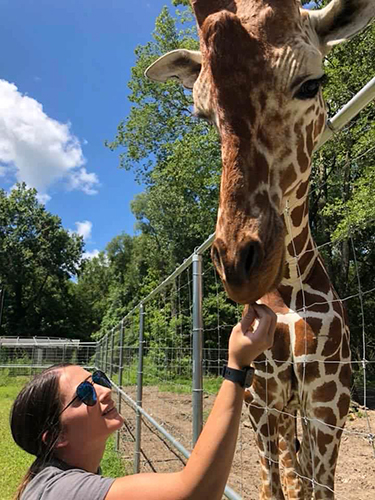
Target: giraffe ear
pixel 340 20
pixel 183 65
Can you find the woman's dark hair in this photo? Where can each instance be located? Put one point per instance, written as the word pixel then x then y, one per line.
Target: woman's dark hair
pixel 34 420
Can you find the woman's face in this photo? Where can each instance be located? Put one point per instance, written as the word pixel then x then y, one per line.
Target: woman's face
pixel 86 425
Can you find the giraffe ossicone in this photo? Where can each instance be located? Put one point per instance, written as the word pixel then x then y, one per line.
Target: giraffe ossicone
pixel 258 78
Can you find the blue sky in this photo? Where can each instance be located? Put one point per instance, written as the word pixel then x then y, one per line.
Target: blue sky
pixel 64 68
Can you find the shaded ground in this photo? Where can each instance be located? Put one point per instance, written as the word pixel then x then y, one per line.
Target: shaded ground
pixel 355 477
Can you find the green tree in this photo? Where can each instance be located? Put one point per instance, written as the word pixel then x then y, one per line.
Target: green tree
pixel 178 159
pixel 176 156
pixel 37 258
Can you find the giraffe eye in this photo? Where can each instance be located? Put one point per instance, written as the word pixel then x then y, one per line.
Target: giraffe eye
pixel 309 89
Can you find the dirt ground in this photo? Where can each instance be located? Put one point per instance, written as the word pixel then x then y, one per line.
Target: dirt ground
pixel 355 476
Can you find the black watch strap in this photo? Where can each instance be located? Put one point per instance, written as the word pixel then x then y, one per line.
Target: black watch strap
pixel 243 377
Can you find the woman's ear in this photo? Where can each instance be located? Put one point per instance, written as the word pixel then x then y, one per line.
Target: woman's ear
pixel 60 442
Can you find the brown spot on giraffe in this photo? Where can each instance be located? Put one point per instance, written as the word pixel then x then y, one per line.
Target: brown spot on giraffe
pixel 306 342
pixel 343 406
pixel 332 364
pixel 265 386
pixel 325 393
pixel 345 375
pixel 326 414
pixel 319 126
pixel 303 159
pixel 323 441
pixel 281 343
pixel 318 280
pixel 308 256
pixel 302 190
pixel 285 375
pixel 345 348
pixel 333 342
pixel 309 138
pixel 316 303
pixel 296 247
pixel 333 459
pixel 297 215
pixel 286 293
pixel 289 177
pixel 286 271
pixel 257 413
pixel 308 372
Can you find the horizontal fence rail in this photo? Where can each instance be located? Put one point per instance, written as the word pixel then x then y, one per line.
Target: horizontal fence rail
pixel 164 359
pixel 42 352
pixel 159 345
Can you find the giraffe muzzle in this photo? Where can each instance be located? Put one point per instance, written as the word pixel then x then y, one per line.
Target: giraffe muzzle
pixel 252 267
pixel 236 270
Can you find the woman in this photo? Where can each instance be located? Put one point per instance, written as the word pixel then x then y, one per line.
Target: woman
pixel 65 415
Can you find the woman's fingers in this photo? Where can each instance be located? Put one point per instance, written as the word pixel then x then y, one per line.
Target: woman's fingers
pixel 248 319
pixel 267 323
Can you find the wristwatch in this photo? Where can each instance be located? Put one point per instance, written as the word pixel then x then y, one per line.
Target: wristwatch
pixel 243 377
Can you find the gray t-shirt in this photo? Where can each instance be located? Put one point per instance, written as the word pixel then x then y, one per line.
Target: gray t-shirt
pixel 64 483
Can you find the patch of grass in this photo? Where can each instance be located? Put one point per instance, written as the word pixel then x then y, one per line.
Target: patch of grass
pixel 111 464
pixel 211 385
pixel 13 461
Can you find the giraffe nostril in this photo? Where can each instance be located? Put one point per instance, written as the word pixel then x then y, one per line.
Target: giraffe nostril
pixel 250 257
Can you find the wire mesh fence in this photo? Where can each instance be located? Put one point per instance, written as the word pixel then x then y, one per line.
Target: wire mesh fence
pixel 23 356
pixel 171 407
pixel 165 359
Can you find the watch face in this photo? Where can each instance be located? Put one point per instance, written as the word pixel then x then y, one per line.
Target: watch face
pixel 249 377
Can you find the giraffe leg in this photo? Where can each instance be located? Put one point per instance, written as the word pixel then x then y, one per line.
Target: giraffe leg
pixel 265 424
pixel 322 432
pixel 292 483
pixel 305 459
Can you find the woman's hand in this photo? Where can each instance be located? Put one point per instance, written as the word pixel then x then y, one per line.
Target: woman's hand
pixel 246 342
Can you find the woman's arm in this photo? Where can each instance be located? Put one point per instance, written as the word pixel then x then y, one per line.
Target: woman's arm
pixel 207 470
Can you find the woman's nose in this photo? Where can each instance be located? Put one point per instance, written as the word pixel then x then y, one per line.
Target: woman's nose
pixel 103 392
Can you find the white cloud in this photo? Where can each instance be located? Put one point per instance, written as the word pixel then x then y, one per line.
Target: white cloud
pixel 90 255
pixel 43 198
pixel 37 149
pixel 81 179
pixel 84 229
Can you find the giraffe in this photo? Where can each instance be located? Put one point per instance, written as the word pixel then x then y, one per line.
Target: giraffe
pixel 257 78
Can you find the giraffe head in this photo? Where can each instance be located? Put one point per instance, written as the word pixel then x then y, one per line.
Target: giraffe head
pixel 257 77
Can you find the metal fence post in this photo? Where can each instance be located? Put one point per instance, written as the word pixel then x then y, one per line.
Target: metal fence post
pixel 102 353
pixel 97 354
pixel 112 351
pixel 120 362
pixel 197 348
pixel 100 365
pixel 138 422
pixel 106 352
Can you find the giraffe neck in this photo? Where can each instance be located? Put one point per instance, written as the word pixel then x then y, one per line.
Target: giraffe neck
pixel 301 252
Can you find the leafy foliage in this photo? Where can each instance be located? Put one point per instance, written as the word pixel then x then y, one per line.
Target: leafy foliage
pixel 37 258
pixel 177 158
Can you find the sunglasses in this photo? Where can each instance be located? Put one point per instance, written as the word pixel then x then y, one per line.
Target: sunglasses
pixel 86 393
